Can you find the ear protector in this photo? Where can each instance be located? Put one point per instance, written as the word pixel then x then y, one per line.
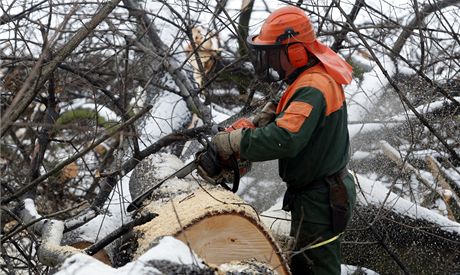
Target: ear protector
pixel 297 55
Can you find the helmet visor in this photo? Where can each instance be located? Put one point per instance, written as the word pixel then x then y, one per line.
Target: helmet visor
pixel 266 61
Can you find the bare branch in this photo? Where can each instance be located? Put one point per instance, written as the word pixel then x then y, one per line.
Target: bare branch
pixel 50 251
pixel 401 95
pixel 36 80
pixel 337 45
pixel 420 17
pixel 93 249
pixel 61 165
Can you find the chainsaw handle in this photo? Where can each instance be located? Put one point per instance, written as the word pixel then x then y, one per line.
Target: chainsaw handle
pixel 236 176
pixel 203 140
pixel 216 129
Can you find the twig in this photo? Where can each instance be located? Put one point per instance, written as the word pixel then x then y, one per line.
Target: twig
pixel 182 81
pixel 393 155
pixel 6 18
pixel 95 208
pixel 420 17
pixel 162 142
pixel 451 182
pixel 401 95
pixel 7 260
pixel 337 45
pixel 451 200
pixel 45 134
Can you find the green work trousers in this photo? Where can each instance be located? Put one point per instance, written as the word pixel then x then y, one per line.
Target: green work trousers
pixel 312 224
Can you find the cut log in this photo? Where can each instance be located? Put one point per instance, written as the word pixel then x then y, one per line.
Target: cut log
pixel 217 225
pixel 101 255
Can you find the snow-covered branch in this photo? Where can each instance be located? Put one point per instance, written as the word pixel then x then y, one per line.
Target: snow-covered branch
pixel 417 21
pixel 170 64
pixel 50 252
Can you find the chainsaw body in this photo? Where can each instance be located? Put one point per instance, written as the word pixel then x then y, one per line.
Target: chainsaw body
pixel 223 171
pixel 210 167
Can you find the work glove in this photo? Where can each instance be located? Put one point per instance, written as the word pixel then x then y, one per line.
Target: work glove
pixel 266 116
pixel 227 143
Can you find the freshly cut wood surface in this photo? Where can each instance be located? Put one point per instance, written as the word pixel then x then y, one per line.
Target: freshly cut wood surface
pixel 101 255
pixel 217 225
pixel 224 238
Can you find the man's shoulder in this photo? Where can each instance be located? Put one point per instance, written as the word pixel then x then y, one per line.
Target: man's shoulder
pixel 308 93
pixel 319 80
pixel 318 77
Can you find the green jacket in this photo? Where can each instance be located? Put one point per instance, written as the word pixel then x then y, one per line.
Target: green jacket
pixel 310 140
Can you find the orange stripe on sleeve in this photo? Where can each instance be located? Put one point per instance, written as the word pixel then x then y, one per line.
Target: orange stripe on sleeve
pixel 294 116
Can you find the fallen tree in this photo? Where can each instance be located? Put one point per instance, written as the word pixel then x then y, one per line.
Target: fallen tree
pixel 215 223
pixel 389 234
pixel 396 242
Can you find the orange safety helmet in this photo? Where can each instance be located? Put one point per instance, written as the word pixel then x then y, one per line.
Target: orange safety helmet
pixel 290 26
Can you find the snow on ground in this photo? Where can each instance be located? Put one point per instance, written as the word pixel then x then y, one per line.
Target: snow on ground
pixel 168 249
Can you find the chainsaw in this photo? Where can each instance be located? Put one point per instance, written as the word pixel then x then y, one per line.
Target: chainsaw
pixel 209 166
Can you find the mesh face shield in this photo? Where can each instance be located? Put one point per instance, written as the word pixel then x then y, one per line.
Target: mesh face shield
pixel 266 61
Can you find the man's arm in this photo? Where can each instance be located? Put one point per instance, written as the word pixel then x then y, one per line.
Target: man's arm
pixel 289 133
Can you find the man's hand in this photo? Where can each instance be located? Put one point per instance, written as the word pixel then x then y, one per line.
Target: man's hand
pixel 266 116
pixel 227 143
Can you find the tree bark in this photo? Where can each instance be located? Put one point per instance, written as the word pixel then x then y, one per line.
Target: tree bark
pixel 422 246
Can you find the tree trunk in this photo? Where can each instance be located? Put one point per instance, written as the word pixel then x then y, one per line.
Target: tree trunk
pixel 216 224
pixel 422 246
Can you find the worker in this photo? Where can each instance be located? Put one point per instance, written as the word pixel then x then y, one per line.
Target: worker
pixel 307 132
